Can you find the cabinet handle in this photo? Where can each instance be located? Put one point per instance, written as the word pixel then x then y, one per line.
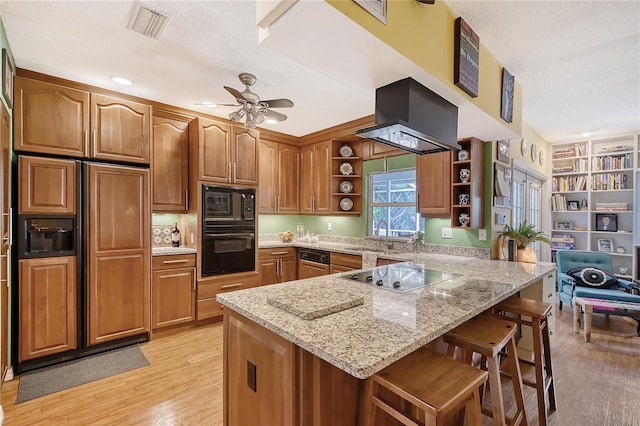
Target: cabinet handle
pixel 175 275
pixel 186 199
pixel 85 137
pixel 230 172
pixel 277 268
pixel 275 203
pixel 230 286
pixel 175 261
pixel 275 253
pixel 550 295
pixel 194 280
pixel 234 173
pixel 278 204
pixel 94 136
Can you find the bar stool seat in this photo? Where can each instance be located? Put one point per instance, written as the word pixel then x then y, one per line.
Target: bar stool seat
pixel 539 313
pixel 489 336
pixel 430 387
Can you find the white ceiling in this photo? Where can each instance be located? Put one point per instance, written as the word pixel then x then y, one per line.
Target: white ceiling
pixel 578 62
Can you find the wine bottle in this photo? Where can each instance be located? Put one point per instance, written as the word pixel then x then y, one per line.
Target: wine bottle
pixel 175 236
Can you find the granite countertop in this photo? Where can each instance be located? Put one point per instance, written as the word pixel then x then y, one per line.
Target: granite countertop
pixel 364 338
pixel 168 251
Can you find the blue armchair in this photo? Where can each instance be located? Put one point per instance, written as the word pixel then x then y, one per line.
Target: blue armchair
pixel 567 288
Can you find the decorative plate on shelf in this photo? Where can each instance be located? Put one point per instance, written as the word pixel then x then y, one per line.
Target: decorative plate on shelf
pixel 346 168
pixel 346 186
pixel 346 204
pixel 534 152
pixel 346 151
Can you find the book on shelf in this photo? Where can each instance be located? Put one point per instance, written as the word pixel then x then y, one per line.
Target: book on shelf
pixel 611 207
pixel 608 182
pixel 614 148
pixel 563 241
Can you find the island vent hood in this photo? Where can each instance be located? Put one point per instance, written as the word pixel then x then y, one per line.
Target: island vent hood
pixel 411 117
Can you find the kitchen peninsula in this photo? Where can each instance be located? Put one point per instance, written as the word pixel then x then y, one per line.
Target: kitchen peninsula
pixel 297 352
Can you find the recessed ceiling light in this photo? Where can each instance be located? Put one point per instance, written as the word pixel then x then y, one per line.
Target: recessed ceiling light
pixel 122 80
pixel 270 121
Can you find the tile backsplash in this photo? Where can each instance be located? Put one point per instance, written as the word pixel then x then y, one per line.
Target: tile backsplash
pixel 161 235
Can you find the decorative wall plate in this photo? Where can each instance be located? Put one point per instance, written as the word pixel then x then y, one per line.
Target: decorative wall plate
pixel 346 204
pixel 524 147
pixel 541 158
pixel 534 152
pixel 346 151
pixel 346 169
pixel 346 186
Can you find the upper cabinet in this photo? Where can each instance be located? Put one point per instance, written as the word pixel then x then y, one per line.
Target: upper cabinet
pixel 46 185
pixel 50 119
pixel 222 153
pixel 170 164
pixel 54 119
pixel 315 191
pixel 380 150
pixel 279 177
pixel 433 173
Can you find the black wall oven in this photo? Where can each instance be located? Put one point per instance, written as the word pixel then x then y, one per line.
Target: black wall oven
pixel 228 230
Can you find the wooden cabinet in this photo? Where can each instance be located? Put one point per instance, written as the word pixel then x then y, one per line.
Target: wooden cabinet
pixel 346 170
pixel 341 262
pixel 473 186
pixel 433 174
pixel 308 269
pixel 381 150
pixel 47 306
pixel 277 265
pixel 279 177
pixel 315 191
pixel 174 290
pixel 259 375
pixel 170 165
pixel 53 119
pixel 118 270
pixel 207 288
pixel 47 185
pixel 222 153
pixel 120 129
pixel 5 238
pixel 50 119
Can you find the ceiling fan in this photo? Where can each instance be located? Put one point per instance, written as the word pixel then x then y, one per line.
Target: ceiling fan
pixel 254 110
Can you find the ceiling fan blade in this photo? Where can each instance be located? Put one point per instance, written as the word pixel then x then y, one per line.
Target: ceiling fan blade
pixel 236 94
pixel 277 103
pixel 213 105
pixel 272 115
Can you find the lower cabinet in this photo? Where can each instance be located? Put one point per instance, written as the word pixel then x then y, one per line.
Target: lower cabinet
pixel 308 269
pixel 173 290
pixel 206 305
pixel 48 298
pixel 341 262
pixel 277 265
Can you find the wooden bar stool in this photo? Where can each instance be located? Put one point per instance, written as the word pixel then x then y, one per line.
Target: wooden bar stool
pixel 538 312
pixel 489 336
pixel 427 386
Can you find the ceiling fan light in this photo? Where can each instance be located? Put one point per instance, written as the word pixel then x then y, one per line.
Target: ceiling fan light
pixel 250 124
pixel 237 116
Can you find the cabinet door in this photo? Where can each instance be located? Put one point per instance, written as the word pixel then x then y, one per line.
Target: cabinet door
pixel 245 156
pixel 308 269
pixel 119 239
pixel 288 168
pixel 268 271
pixel 433 173
pixel 50 119
pixel 214 151
pixel 288 269
pixel 170 165
pixel 322 178
pixel 306 179
pixel 267 194
pixel 120 129
pixel 5 144
pixel 47 185
pixel 340 268
pixel 48 306
pixel 174 299
pixel 380 150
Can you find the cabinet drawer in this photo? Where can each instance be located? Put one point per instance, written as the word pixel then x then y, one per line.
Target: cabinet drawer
pixel 267 253
pixel 174 261
pixel 349 260
pixel 210 288
pixel 208 308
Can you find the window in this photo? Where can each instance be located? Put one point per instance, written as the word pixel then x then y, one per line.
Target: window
pixel 527 201
pixel 392 199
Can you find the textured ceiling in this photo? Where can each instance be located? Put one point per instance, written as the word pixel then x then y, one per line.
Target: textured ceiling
pixel 578 62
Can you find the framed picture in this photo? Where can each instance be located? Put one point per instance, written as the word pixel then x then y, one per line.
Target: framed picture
pixel 7 78
pixel 504 154
pixel 572 205
pixel 605 244
pixel 607 222
pixel 506 106
pixel 564 225
pixel 466 58
pixel 377 8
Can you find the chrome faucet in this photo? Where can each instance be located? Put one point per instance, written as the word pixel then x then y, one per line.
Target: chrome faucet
pixel 387 242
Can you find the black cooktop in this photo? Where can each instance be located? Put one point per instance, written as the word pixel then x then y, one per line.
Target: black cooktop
pixel 400 277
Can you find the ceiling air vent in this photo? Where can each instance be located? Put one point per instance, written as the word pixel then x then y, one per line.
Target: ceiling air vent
pixel 147 22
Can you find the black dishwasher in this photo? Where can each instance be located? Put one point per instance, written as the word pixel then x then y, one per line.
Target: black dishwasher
pixel 313 263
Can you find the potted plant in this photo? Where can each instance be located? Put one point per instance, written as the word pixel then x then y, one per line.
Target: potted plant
pixel 525 234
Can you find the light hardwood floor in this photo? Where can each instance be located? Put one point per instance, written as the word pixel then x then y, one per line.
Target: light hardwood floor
pixel 597 383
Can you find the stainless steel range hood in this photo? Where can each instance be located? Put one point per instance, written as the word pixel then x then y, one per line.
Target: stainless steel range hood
pixel 411 117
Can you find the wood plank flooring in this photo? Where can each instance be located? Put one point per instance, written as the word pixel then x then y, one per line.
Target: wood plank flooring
pixel 597 383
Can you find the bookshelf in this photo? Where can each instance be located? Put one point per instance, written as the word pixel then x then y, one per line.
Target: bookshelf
pixel 591 180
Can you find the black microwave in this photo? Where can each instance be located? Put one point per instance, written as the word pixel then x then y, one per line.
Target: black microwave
pixel 225 204
pixel 46 236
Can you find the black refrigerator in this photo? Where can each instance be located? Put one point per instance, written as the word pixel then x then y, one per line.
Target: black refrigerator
pixel 83 265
